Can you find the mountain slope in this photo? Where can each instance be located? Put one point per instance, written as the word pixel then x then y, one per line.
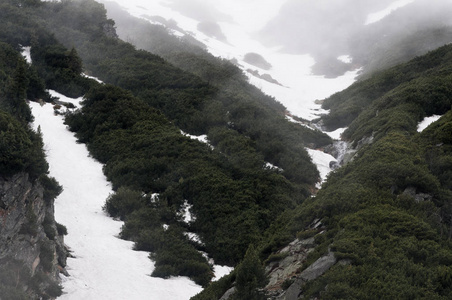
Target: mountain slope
pixel 32 250
pixel 234 194
pixel 387 213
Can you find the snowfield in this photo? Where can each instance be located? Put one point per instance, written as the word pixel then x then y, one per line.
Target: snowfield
pixel 426 122
pixel 104 266
pixel 299 88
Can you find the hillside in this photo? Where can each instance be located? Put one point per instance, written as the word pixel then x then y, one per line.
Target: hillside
pixel 32 250
pixel 134 128
pixel 178 130
pixel 380 227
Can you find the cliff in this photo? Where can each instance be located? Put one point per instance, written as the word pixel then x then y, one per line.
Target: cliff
pixel 32 251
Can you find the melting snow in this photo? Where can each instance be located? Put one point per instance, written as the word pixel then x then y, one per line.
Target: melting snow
pixel 104 267
pixel 272 166
pixel 426 122
pixel 299 88
pixel 322 161
pixel 92 77
pixel 201 138
pixel 336 134
pixel 186 212
pixel 26 54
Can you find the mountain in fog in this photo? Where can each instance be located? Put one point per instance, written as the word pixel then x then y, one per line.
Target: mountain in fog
pixel 329 29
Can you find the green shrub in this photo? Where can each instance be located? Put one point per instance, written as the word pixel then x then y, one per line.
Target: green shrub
pixel 61 229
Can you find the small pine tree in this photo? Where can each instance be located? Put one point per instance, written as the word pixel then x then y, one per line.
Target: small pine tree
pixel 250 276
pixel 75 63
pixel 16 92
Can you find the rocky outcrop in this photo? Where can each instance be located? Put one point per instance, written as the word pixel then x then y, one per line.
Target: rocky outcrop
pixel 287 268
pixel 287 271
pixel 31 246
pixel 296 282
pixel 418 197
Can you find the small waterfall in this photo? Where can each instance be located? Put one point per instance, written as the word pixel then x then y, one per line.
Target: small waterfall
pixel 341 148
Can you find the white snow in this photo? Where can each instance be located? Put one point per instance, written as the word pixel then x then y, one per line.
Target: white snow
pixel 63 98
pixel 92 77
pixel 379 15
pixel 291 119
pixel 220 271
pixel 202 138
pixel 193 237
pixel 26 54
pixel 345 59
pixel 272 166
pixel 426 122
pixel 322 161
pixel 336 134
pixel 299 87
pixel 186 212
pixel 104 267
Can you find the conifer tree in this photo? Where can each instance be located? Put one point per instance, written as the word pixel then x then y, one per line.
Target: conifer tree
pixel 250 276
pixel 16 92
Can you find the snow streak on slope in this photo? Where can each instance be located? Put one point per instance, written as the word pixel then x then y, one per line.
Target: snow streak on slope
pixel 322 160
pixel 426 122
pixel 104 267
pixel 375 17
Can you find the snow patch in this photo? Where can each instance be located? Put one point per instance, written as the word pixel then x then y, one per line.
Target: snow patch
pixel 104 266
pixel 201 138
pixel 379 15
pixel 426 122
pixel 299 88
pixel 27 54
pixel 193 237
pixel 63 98
pixel 322 161
pixel 221 271
pixel 92 77
pixel 186 212
pixel 345 59
pixel 336 134
pixel 272 166
pixel 291 119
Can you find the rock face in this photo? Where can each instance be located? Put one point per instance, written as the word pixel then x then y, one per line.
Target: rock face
pixel 286 275
pixel 30 245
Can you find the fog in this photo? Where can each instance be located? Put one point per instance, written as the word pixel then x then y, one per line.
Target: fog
pixel 327 29
pixel 375 34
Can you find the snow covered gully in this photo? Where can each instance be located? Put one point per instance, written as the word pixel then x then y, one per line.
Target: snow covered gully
pixel 103 266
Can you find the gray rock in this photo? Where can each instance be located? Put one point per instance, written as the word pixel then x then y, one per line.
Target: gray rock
pixel 418 197
pixel 228 293
pixel 319 267
pixel 287 267
pixel 22 214
pixel 293 292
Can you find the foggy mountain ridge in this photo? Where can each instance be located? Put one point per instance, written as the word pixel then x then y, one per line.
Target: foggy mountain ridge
pixel 299 27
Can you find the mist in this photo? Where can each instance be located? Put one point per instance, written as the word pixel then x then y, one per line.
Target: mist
pixel 328 29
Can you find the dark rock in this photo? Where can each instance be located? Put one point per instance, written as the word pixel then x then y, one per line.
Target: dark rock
pixel 334 165
pixel 257 60
pixel 22 236
pixel 418 197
